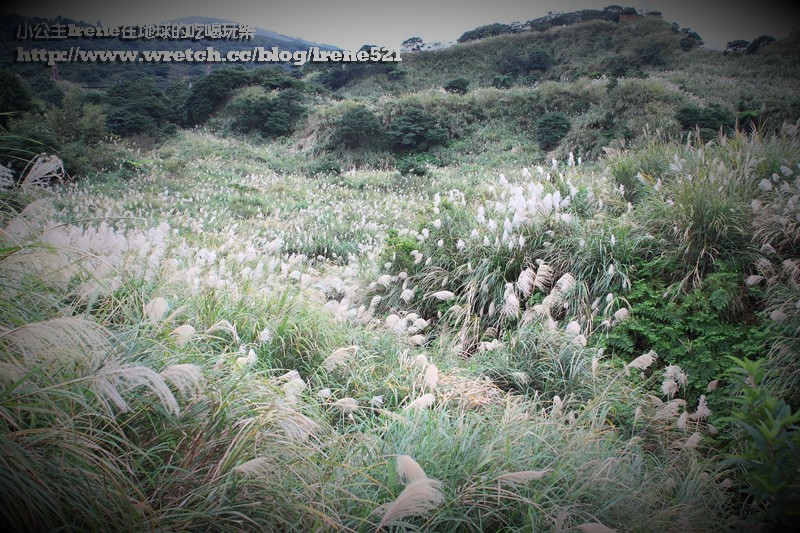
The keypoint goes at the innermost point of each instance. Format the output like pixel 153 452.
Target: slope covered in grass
pixel 211 345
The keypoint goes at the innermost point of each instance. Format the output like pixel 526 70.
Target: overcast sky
pixel 351 23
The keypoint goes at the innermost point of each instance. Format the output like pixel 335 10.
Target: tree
pixel 489 30
pixel 550 129
pixel 758 42
pixel 412 44
pixel 15 97
pixel 136 107
pixel 690 39
pixel 358 128
pixel 210 92
pixel 271 116
pixel 415 130
pixel 736 47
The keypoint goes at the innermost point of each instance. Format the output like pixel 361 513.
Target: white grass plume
pixel 421 494
pixel 595 527
pixel 6 178
pixel 296 426
pixel 669 410
pixel 339 357
pixel 544 275
pixel 187 378
pixel 431 376
pixel 423 402
pixel 155 309
pixel 41 170
pixel 565 283
pixel 258 467
pixel 59 340
pixel 183 334
pixel 418 498
pixel 644 361
pixel 408 470
pixel 525 282
pixel 224 325
pixel 510 302
pixel 523 476
pixel 443 295
pixel 114 379
pixel 346 405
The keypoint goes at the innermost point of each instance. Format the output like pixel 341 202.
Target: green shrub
pixel 209 93
pixel 326 165
pixel 415 130
pixel 457 85
pixel 358 128
pixel 137 107
pixel 272 116
pixel 550 129
pixel 766 447
pixel 15 96
pixel 416 164
pixel 709 120
pixel 693 330
pixel 517 62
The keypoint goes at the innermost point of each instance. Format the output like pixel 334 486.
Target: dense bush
pixel 324 166
pixel 710 120
pixel 358 128
pixel 210 92
pixel 457 85
pixel 694 329
pixel 269 115
pixel 137 107
pixel 414 164
pixel 15 96
pixel 415 130
pixel 517 62
pixel 489 30
pixel 550 129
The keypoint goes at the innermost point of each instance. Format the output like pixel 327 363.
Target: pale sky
pixel 351 23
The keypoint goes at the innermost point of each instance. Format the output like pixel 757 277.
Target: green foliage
pixel 502 81
pixel 759 42
pixel 325 166
pixel 15 96
pixel 736 47
pixel 694 330
pixel 709 120
pixel 75 130
pixel 457 85
pixel 767 446
pixel 414 164
pixel 210 92
pixel 690 40
pixel 138 107
pixel 415 130
pixel 519 62
pixel 482 32
pixel 550 129
pixel 358 128
pixel 271 115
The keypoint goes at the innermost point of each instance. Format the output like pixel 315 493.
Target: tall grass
pixel 206 375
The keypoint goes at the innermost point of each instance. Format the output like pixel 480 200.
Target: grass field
pixel 208 345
